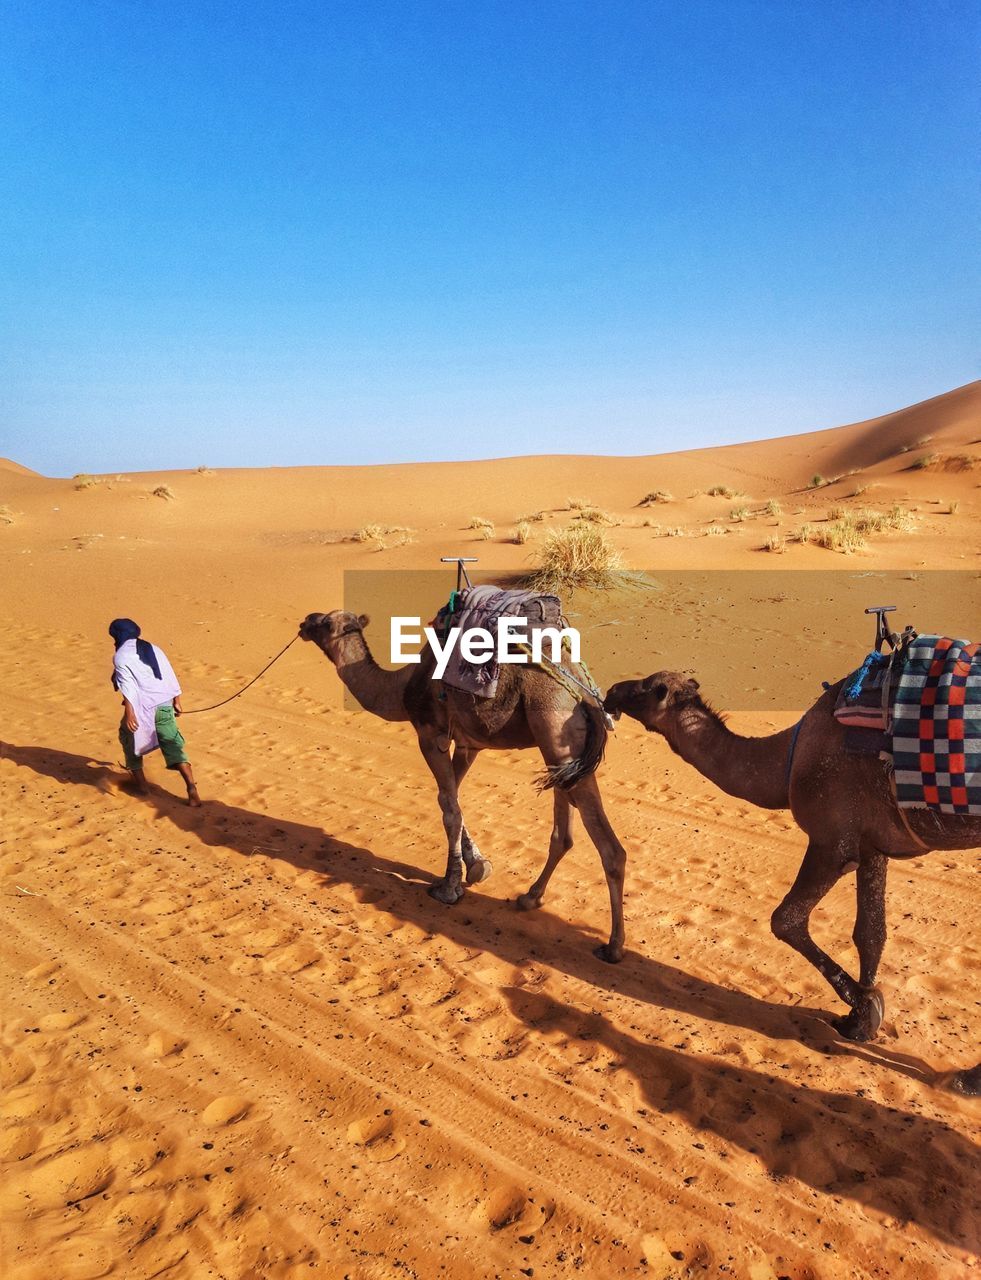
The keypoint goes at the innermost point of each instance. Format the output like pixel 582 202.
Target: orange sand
pixel 243 1042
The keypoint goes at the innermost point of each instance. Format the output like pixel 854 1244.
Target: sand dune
pixel 243 1041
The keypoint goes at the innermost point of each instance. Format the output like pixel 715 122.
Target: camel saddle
pixel 922 705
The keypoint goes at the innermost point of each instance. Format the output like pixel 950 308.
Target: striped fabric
pixel 936 729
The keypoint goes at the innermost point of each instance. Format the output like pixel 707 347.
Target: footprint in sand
pixel 228 1109
pixel 377 1136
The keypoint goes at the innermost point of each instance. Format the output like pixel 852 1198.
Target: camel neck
pixel 378 691
pixel 752 769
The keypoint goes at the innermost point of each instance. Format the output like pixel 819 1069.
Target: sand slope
pixel 243 1042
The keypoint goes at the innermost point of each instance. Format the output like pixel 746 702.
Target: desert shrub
pixel 773 508
pixel 739 514
pixel 535 517
pixel 580 555
pixel 925 461
pixel 522 532
pixel 577 504
pixel 382 536
pixel 164 491
pixel 715 530
pixel 6 515
pixel 656 495
pixel 953 508
pixel 774 543
pixel 596 516
pixel 203 471
pixel 484 529
pixel 817 481
pixel 721 491
pixel 804 533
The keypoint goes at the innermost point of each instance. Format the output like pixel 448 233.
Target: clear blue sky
pixel 299 231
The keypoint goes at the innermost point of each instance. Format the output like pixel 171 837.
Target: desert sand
pixel 242 1041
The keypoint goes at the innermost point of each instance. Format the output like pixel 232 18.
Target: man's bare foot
pixel 139 782
pixel 193 799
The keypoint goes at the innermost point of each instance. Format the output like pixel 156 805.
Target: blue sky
pixel 313 232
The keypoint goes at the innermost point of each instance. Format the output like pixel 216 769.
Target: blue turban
pixel 123 629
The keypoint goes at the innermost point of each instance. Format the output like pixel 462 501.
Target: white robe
pixel 144 692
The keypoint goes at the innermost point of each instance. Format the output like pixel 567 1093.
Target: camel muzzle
pixel 311 623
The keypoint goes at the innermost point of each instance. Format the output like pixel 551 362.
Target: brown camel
pixel 844 803
pixel 530 709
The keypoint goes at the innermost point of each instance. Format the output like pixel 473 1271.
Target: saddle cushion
pixel 936 727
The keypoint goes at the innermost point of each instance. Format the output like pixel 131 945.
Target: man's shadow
pixel 911 1167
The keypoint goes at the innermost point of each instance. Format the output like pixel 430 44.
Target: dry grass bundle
pixel 849 533
pixel 715 531
pixel 579 555
pixel 657 495
pixel 739 514
pixel 722 491
pixel 596 516
pixel 164 491
pixel 773 508
pixel 774 543
pixel 484 529
pixel 535 517
pixel 522 532
pixel 377 535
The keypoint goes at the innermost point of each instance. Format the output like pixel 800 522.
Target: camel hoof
pixel 526 902
pixel 448 894
pixel 480 870
pixel 608 954
pixel 967 1083
pixel 865 1019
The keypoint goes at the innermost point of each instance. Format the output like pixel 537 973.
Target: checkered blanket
pixel 936 727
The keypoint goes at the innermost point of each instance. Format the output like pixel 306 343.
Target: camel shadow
pixel 911 1167
pixel 479 921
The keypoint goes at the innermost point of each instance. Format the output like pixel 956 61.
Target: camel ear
pixel 693 685
pixel 363 620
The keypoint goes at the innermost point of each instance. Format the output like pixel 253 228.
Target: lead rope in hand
pixel 214 707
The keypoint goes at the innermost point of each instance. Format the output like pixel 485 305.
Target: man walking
pixel 151 703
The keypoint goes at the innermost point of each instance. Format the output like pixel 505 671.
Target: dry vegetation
pixel 382 536
pixel 484 529
pixel 596 516
pixel 164 491
pixel 6 515
pixel 580 555
pixel 722 491
pixel 85 481
pixel 522 532
pixel 657 495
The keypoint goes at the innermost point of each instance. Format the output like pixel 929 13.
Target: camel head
pixel 329 629
pixel 653 700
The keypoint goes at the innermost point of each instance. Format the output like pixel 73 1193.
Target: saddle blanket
pixel 936 727
pixel 481 607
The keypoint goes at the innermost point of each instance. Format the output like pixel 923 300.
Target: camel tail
pixel 567 775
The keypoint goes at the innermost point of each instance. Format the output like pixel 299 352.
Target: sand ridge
pixel 243 1041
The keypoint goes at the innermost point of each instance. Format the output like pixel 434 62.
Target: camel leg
pixel 451 888
pixel 819 872
pixel 478 867
pixel 558 846
pixel 586 797
pixel 870 937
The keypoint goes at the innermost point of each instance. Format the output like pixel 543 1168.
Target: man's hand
pixel 178 709
pixel 129 716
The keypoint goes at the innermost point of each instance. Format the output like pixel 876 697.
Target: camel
pixel 844 804
pixel 530 709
